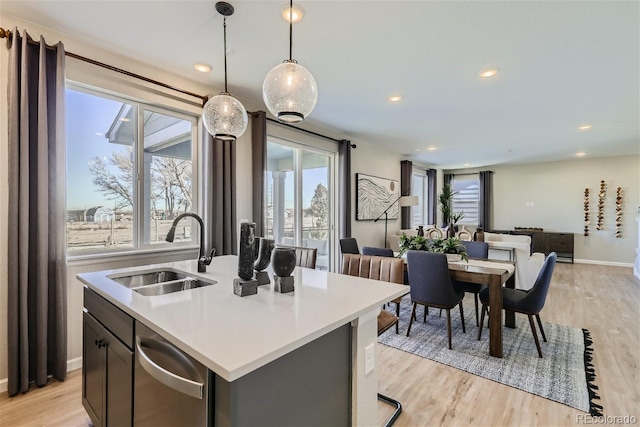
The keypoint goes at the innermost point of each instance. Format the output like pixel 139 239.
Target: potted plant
pixel 449 218
pixel 451 245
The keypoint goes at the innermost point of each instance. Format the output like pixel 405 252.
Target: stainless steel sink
pixel 170 287
pixel 159 282
pixel 148 278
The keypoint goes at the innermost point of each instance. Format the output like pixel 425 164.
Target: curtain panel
pixel 344 190
pixel 432 196
pixel 406 171
pixel 259 166
pixel 486 198
pixel 37 298
pixel 219 180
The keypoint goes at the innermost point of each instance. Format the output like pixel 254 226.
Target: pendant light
pixel 289 90
pixel 224 116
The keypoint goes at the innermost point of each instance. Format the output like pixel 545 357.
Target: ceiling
pixel 561 65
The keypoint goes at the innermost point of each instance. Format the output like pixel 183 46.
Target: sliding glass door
pixel 299 198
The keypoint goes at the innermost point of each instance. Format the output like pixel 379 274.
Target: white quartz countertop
pixel 234 335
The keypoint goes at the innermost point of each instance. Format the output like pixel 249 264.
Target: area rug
pixel 565 374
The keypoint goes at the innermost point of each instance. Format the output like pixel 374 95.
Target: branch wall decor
pixel 619 212
pixel 601 196
pixel 586 211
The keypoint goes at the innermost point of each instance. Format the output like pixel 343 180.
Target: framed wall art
pixel 374 195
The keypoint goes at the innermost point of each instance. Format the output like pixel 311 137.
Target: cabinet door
pixel 94 369
pixel 540 242
pixel 119 408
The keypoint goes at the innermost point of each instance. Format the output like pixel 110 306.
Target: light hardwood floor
pixel 605 300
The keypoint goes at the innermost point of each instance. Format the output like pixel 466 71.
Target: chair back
pixel 476 249
pixel 374 267
pixel 369 250
pixel 305 257
pixel 537 295
pixel 349 245
pixel 429 279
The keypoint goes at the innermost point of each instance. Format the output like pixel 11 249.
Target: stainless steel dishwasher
pixel 170 387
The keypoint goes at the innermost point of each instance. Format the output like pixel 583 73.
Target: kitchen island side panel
pixel 309 386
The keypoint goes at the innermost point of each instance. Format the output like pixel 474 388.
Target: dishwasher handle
pixel 176 382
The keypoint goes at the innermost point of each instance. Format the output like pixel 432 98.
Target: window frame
pixel 423 199
pixel 138 238
pixel 467 177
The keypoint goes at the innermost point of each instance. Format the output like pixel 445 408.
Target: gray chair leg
pixel 535 335
pixel 449 326
pixel 476 302
pixel 398 316
pixel 464 330
pixel 392 402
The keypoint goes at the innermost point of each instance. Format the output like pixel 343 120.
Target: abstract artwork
pixel 374 195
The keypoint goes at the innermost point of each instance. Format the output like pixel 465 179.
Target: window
pixel 129 172
pixel 419 187
pixel 466 198
pixel 298 196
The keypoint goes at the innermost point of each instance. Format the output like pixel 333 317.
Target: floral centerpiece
pixel 451 245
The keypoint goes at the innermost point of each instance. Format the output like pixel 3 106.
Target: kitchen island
pixel 272 356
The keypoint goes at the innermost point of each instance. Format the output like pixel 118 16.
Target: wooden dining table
pixel 493 273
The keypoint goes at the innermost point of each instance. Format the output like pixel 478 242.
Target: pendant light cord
pixel 290 30
pixel 225 54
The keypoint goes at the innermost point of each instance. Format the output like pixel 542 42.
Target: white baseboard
pixel 72 365
pixel 596 262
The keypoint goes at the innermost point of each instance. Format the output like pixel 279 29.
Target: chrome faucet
pixel 203 260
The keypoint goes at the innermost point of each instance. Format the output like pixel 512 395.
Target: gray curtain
pixel 259 160
pixel 37 299
pixel 486 197
pixel 432 195
pixel 219 180
pixel 406 170
pixel 344 172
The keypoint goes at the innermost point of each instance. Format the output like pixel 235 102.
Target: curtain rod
pixel 310 132
pixel 9 36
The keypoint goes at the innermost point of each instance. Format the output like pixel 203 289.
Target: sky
pixel 88 119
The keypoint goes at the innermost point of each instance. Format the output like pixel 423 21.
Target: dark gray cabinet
pixel 107 363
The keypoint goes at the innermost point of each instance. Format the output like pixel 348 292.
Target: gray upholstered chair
pixel 370 250
pixel 388 269
pixel 431 285
pixel 528 302
pixel 474 250
pixel 349 245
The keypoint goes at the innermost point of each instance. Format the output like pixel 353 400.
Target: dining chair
pixel 386 252
pixel 430 285
pixel 370 250
pixel 349 245
pixel 474 250
pixel 529 302
pixel 388 269
pixel 305 257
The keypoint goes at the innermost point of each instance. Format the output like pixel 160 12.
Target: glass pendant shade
pixel 225 117
pixel 290 92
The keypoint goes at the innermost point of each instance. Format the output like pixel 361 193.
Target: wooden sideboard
pixel 547 242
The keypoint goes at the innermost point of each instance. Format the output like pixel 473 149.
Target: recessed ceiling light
pixel 395 98
pixel 431 148
pixel 584 127
pixel 98 133
pixel 124 119
pixel 202 67
pixel 488 73
pixel 467 164
pixel 581 154
pixel 296 13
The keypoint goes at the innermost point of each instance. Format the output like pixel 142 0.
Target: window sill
pixel 88 259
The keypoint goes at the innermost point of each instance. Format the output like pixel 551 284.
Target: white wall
pixel 557 192
pixel 371 160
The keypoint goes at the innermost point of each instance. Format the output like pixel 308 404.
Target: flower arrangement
pixel 451 245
